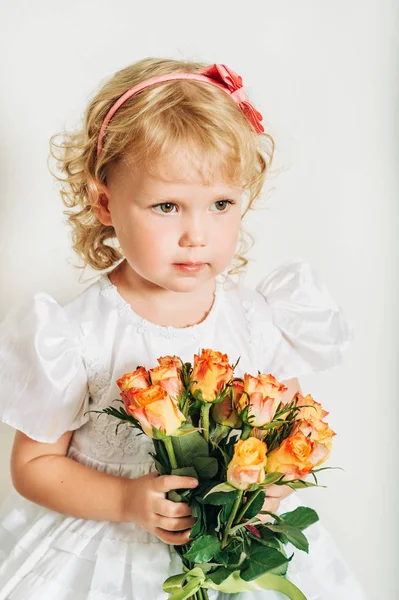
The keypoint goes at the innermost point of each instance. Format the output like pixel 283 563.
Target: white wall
pixel 323 74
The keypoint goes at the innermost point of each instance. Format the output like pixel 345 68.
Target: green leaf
pixel 206 466
pixel 299 484
pixel 185 472
pixel 268 538
pixel 301 517
pixel 325 469
pixel 256 506
pixel 184 429
pixel 219 575
pixel 262 560
pixel 188 447
pixel 273 424
pixel 236 528
pixel 222 557
pixel 271 478
pixel 200 524
pixel 161 453
pixel 174 496
pixel 293 534
pixel 203 549
pixel 159 466
pixel 222 487
pixel 221 498
pixel 219 521
pixel 235 549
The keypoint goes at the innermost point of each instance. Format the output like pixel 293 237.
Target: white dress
pixel 57 362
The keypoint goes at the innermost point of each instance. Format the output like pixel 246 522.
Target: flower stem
pixel 205 408
pixel 171 453
pixel 245 507
pixel 233 513
pixel 245 432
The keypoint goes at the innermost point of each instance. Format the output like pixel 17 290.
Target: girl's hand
pixel 274 495
pixel 145 504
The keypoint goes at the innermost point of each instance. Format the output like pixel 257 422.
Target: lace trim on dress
pixel 104 441
pixel 110 291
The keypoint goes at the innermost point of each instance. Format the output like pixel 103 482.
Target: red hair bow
pixel 233 82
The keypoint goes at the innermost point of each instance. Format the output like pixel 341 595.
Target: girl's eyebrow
pixel 173 199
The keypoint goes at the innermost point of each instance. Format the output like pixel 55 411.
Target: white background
pixel 324 75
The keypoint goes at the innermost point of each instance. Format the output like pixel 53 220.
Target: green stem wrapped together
pixel 171 453
pixel 205 408
pixel 233 513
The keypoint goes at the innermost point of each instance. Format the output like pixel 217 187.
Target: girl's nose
pixel 194 233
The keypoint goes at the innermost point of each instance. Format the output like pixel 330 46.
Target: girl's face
pixel 175 232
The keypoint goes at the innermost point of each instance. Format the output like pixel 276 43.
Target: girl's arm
pixel 44 474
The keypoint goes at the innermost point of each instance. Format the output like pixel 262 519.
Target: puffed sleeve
pixel 43 383
pixel 310 332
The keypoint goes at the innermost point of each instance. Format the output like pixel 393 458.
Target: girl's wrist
pixel 127 495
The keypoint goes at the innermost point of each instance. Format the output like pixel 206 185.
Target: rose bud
pixel 153 407
pixel 167 376
pixel 211 372
pixel 224 413
pixel 248 464
pixel 317 431
pixel 138 379
pixel 262 394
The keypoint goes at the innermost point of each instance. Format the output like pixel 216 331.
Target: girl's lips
pixel 190 267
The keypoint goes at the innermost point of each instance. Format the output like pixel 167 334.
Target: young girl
pixel 170 157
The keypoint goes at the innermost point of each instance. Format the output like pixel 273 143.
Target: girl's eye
pixel 221 205
pixel 164 207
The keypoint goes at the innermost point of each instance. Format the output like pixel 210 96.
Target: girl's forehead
pixel 179 169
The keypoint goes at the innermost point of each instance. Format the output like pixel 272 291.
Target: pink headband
pixel 219 75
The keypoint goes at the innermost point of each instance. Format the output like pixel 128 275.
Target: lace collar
pixel 142 325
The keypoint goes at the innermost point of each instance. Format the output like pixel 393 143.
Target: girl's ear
pixel 101 208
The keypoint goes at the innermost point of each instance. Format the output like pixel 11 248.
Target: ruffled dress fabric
pixel 58 362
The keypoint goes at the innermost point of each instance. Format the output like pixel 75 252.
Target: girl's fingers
pixel 167 508
pixel 271 504
pixel 174 539
pixel 277 491
pixel 166 483
pixel 174 524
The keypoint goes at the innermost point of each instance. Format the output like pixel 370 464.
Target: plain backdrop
pixel 324 75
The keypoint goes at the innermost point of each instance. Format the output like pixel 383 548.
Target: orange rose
pixel 248 464
pixel 263 395
pixel 211 372
pixel 310 413
pixel 296 456
pixel 174 361
pixel 167 376
pixel 224 412
pixel 170 360
pixel 313 427
pixel 139 379
pixel 153 407
pixel 317 431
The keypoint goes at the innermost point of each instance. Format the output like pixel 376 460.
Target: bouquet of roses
pixel 237 437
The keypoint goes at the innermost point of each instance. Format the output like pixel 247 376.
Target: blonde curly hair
pixel 216 133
